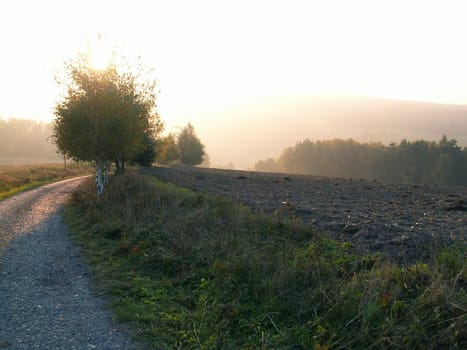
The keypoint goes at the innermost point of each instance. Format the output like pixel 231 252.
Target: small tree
pixel 167 150
pixel 148 155
pixel 105 115
pixel 190 147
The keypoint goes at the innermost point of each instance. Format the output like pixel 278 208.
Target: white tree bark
pixel 100 182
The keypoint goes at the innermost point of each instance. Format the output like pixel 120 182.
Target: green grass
pixel 15 179
pixel 192 271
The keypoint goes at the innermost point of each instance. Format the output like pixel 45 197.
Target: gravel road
pixel 47 300
pixel 404 222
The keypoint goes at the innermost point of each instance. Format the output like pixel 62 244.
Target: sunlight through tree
pixel 106 114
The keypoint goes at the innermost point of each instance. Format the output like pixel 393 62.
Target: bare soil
pixel 404 222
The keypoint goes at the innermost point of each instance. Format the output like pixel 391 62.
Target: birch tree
pixel 105 115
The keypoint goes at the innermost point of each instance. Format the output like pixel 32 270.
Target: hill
pixel 262 129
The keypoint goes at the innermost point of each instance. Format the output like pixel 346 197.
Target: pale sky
pixel 211 55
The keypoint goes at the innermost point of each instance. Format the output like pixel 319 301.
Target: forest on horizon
pixel 422 162
pixel 418 162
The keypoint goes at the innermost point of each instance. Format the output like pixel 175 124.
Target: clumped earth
pixel 404 222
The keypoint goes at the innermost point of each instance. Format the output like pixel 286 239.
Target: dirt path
pixel 404 222
pixel 46 297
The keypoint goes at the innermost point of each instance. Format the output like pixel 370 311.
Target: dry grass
pixel 17 178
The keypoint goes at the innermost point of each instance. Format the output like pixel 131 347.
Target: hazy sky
pixel 209 55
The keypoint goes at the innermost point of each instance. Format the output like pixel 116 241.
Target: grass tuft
pixel 193 271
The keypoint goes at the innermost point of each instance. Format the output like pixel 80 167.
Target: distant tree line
pixel 442 162
pixel 29 140
pixel 26 139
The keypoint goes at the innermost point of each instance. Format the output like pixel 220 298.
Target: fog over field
pixel 263 128
pixel 25 141
pixel 242 134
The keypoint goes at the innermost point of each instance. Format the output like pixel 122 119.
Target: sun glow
pixel 100 55
pixel 205 62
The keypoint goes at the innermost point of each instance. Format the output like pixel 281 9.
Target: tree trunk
pixel 106 173
pixel 119 165
pixel 100 182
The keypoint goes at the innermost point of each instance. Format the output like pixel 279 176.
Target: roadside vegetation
pixel 193 271
pixel 17 178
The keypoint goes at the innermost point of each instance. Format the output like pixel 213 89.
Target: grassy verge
pixel 192 271
pixel 15 179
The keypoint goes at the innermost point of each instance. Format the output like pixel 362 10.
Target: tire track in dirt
pixel 20 213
